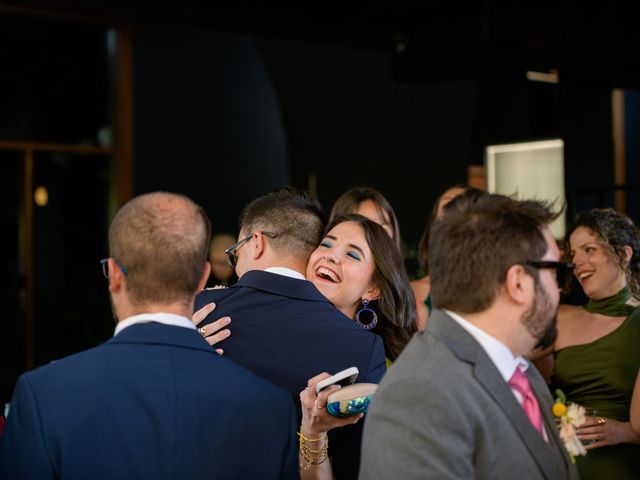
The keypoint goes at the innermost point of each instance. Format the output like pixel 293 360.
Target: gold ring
pixel 202 332
pixel 315 402
pixel 601 421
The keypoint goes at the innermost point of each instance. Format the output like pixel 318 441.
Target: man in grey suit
pixel 462 402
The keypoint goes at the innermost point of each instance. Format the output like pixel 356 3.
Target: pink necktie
pixel 520 383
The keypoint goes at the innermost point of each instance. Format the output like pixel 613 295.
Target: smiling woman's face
pixel 598 273
pixel 342 268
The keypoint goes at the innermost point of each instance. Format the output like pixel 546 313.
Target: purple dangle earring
pixel 374 315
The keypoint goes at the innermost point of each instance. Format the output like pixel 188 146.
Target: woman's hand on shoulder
pixel 315 419
pixel 213 332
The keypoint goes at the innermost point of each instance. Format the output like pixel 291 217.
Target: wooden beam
pixel 53 147
pixel 619 161
pixel 477 177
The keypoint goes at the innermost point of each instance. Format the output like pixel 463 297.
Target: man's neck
pixel 174 308
pixel 290 263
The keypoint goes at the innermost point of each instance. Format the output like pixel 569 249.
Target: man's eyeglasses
pixel 105 266
pixel 232 256
pixel 563 269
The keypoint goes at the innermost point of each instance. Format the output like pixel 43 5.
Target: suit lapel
pixel 488 376
pixel 491 380
pixel 544 398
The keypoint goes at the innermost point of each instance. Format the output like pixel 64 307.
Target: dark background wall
pixel 229 105
pixel 225 117
pixel 350 123
pixel 207 122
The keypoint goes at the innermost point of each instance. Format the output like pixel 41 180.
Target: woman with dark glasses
pixel 597 351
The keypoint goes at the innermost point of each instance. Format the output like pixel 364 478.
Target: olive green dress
pixel 601 375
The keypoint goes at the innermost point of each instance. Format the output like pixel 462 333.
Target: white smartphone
pixel 343 378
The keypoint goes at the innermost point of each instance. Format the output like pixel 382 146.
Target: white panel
pixel 530 170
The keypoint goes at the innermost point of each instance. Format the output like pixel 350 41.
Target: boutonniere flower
pixel 570 415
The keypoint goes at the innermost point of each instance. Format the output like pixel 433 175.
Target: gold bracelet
pixel 302 437
pixel 310 456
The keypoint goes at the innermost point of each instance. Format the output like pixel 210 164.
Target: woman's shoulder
pixel 570 313
pixel 421 287
pixel 571 321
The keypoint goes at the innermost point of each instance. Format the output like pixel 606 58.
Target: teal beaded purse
pixel 351 400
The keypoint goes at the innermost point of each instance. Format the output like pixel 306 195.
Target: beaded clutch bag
pixel 351 400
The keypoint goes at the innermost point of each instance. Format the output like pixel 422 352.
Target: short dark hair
pixel 350 200
pixel 474 244
pixel 162 239
pixel 615 231
pixel 295 218
pixel 396 306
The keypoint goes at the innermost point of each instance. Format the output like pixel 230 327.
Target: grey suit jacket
pixel 443 411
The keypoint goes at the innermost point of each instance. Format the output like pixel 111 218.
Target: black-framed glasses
pixel 105 269
pixel 563 269
pixel 231 252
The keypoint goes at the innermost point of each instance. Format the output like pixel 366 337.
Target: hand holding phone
pixel 343 378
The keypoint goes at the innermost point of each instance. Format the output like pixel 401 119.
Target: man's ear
pixel 259 245
pixel 517 284
pixel 116 276
pixel 206 271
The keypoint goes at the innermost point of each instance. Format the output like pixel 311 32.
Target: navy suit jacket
pixel 286 331
pixel 153 402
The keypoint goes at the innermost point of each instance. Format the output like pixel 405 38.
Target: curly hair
pixel 614 231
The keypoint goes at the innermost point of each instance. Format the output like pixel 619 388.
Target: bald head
pixel 162 240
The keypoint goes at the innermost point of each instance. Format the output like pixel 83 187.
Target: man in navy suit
pixel 155 401
pixel 283 328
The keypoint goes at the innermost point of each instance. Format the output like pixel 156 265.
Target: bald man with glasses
pixel 154 401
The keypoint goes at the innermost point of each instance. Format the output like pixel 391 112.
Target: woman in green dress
pixel 597 350
pixel 635 407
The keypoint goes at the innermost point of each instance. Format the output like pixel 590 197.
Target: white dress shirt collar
pixel 284 271
pixel 499 354
pixel 497 351
pixel 160 317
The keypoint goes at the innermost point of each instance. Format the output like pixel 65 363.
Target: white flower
pixel 568 434
pixel 570 416
pixel 575 415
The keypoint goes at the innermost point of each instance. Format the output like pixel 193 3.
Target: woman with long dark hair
pixel 358 270
pixel 357 267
